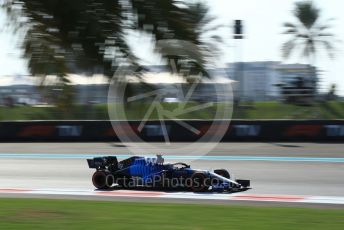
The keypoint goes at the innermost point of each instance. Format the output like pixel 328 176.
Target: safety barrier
pixel 238 130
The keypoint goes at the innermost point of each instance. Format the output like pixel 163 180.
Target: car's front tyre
pixel 199 182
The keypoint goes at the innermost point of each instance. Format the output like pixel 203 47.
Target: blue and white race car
pixel 138 172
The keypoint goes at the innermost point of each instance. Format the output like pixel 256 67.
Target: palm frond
pixel 212 27
pixel 305 36
pixel 217 38
pixel 323 27
pixel 305 53
pixel 329 48
pixel 290 25
pixel 325 35
pixel 288 48
pixel 290 31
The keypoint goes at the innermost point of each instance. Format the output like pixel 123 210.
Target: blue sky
pixel 263 21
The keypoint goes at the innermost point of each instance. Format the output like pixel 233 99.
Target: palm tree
pixel 308 34
pixel 87 36
pixel 74 36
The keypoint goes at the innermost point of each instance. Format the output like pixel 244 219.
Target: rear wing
pixel 91 163
pixel 102 162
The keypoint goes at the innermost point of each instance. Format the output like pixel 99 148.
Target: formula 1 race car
pixel 136 172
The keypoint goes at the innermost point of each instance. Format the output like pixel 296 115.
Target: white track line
pixel 179 195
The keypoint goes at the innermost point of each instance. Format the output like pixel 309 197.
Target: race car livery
pixel 135 172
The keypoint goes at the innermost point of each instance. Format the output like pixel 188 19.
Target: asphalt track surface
pixel 23 166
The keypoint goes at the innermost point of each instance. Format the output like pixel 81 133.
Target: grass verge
pixel 70 214
pixel 258 110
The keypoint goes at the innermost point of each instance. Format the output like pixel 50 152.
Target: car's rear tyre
pixel 198 182
pixel 222 172
pixel 102 180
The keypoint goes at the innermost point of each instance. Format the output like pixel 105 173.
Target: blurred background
pixel 187 67
pixel 282 60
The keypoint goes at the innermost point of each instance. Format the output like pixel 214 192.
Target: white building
pixel 259 81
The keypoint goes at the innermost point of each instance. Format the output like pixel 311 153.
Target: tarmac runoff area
pixel 292 173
